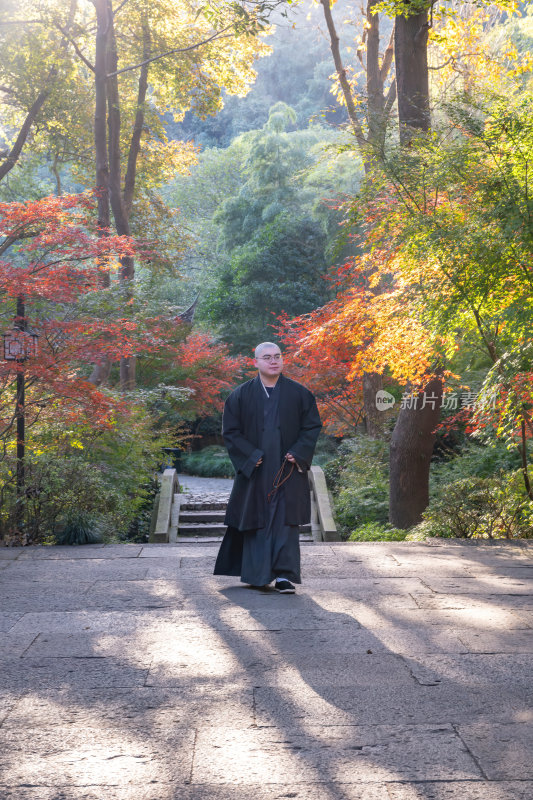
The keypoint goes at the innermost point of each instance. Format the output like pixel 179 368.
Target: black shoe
pixel 284 586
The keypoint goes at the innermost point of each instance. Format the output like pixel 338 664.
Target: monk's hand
pixel 259 462
pixel 292 460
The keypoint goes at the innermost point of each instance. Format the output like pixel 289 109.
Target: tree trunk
pixel 412 82
pixel 372 383
pixel 410 455
pixel 376 73
pixel 100 132
pixel 120 215
pixel 413 438
pixel 101 370
pixel 351 107
pixel 113 124
pixel 138 127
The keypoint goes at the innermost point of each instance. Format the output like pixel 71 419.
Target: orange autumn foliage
pixel 51 257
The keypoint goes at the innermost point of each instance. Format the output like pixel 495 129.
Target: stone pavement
pixel 206 489
pixel 398 672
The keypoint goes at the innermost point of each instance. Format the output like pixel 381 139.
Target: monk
pixel 270 427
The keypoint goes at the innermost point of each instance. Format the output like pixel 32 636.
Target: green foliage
pixel 327 449
pixel 44 55
pixel 476 493
pixel 482 508
pixel 296 72
pixel 467 219
pixel 377 532
pixel 58 488
pixel 79 528
pixel 472 459
pixel 78 480
pixel 358 479
pixel 408 8
pixel 262 232
pixel 402 8
pixel 279 269
pixel 139 527
pixel 472 493
pixel 211 462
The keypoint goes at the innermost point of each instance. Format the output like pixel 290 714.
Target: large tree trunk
pixel 412 82
pixel 410 455
pixel 120 215
pixel 122 201
pixel 101 370
pixel 413 438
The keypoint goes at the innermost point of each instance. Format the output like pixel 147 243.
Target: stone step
pixel 204 520
pixel 199 505
pixel 198 515
pixel 304 539
pixel 198 540
pixel 214 529
pixel 201 529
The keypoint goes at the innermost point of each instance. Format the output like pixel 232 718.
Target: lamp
pixel 19 344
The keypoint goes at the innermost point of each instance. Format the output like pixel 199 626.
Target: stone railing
pixel 323 525
pixel 162 514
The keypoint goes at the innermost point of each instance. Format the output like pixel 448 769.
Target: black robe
pixel 257 427
pixel 242 428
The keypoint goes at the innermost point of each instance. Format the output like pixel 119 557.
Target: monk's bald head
pixel 264 347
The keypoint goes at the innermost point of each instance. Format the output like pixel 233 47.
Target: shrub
pixel 327 449
pixel 67 493
pixel 473 459
pixel 488 504
pixel 358 479
pixel 79 528
pixel 487 508
pixel 211 462
pixel 377 532
pixel 79 480
pixel 139 528
pixel 428 529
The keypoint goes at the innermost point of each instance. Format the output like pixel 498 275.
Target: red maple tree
pixel 52 258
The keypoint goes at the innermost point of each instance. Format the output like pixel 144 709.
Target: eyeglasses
pixel 277 357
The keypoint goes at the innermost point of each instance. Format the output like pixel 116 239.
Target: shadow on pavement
pixel 147 677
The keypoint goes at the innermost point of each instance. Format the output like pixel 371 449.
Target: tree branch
pixel 120 7
pixel 21 22
pixel 389 100
pixel 441 66
pixel 138 127
pixel 341 72
pixel 16 150
pixel 387 58
pixel 71 41
pixel 219 35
